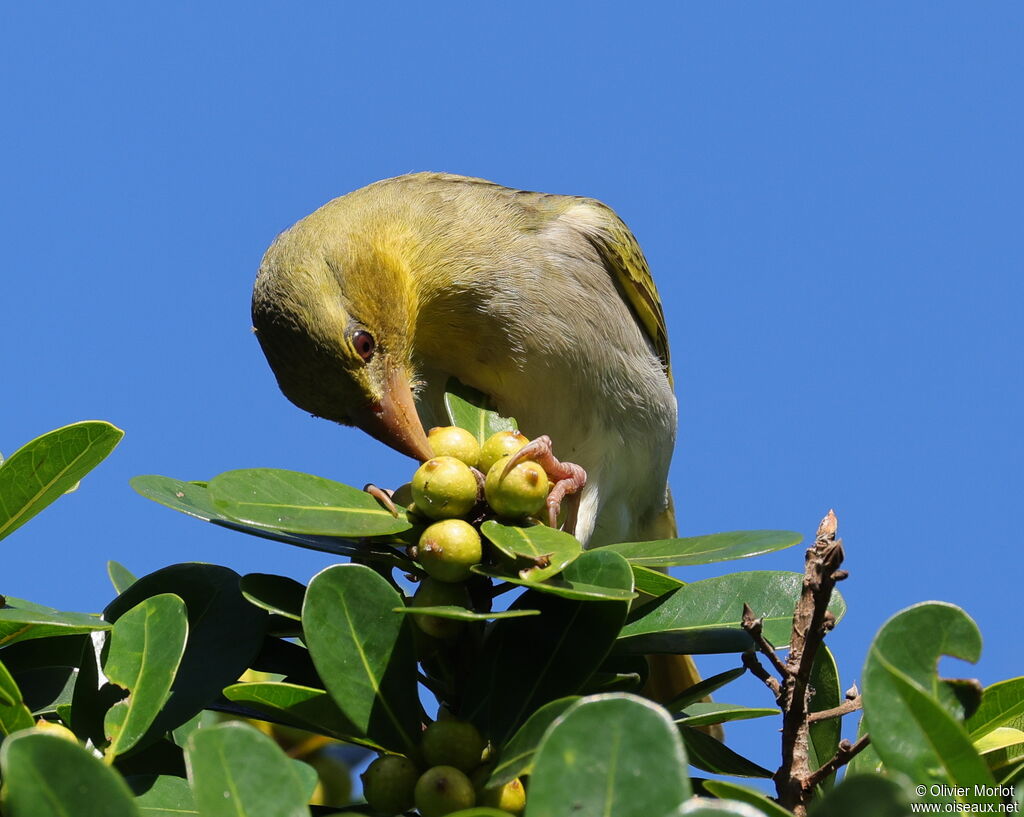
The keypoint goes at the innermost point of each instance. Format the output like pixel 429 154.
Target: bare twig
pixel 811 621
pixel 754 668
pixel 844 708
pixel 844 754
pixel 753 626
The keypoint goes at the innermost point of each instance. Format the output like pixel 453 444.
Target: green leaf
pixel 704 616
pixel 14 715
pixel 462 614
pixel 473 410
pixel 600 580
pixel 46 467
pixel 516 756
pixel 225 633
pixel 702 807
pixel 275 594
pixel 636 769
pixel 237 772
pixel 703 688
pixel 479 811
pixel 702 714
pixel 527 662
pixel 863 795
pixel 1001 705
pixel 1002 737
pixel 654 582
pixel 146 646
pixel 300 706
pixel 120 576
pixel 911 714
pixel 824 735
pixel 714 756
pixel 364 653
pixel 163 796
pixel 733 791
pixel 21 620
pixel 703 550
pixel 301 503
pixel 547 551
pixel 48 776
pixel 193 499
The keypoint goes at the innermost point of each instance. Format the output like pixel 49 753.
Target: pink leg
pixel 568 477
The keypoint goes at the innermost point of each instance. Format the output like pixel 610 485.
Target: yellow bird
pixel 365 308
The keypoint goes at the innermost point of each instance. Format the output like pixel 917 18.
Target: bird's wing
pixel 624 259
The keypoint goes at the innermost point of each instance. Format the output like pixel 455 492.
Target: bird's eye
pixel 364 343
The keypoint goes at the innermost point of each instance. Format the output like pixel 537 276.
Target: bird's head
pixel 334 314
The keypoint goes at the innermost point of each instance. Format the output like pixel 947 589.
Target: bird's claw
pixel 568 478
pixel 383 496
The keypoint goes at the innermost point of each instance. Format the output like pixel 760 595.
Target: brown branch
pixel 811 621
pixel 754 668
pixel 844 708
pixel 844 754
pixel 754 626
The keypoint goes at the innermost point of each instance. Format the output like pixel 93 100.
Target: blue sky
pixel 829 197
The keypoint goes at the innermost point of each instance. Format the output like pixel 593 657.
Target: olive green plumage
pixel 543 302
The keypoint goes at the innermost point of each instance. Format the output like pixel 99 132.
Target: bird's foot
pixel 383 496
pixel 568 478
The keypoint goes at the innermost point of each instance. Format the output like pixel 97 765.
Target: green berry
pixel 432 593
pixel 452 441
pixel 452 743
pixel 388 783
pixel 521 493
pixel 443 790
pixel 499 445
pixel 448 549
pixel 444 488
pixel 511 797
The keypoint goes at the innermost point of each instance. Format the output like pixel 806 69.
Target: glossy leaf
pixel 516 757
pixel 705 713
pixel 711 755
pixel 193 499
pixel 826 734
pixel 275 594
pixel 636 769
pixel 1000 738
pixel 704 616
pixel 225 633
pixel 300 706
pixel 703 550
pixel 703 688
pixel 301 503
pixel 600 579
pixel 236 771
pixel 527 662
pixel 163 796
pixel 1001 705
pixel 763 805
pixel 120 576
pixel 14 715
pixel 462 614
pixel 545 551
pixel 48 466
pixel 702 807
pixel 49 776
pixel 21 620
pixel 654 582
pixel 863 795
pixel 146 647
pixel 364 653
pixel 474 411
pixel 911 715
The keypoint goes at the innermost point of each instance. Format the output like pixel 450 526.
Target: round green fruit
pixel 448 549
pixel 452 743
pixel 443 790
pixel 452 441
pixel 433 593
pixel 511 797
pixel 499 445
pixel 521 493
pixel 389 782
pixel 444 488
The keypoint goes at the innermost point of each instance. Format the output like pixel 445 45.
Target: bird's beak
pixel 393 419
